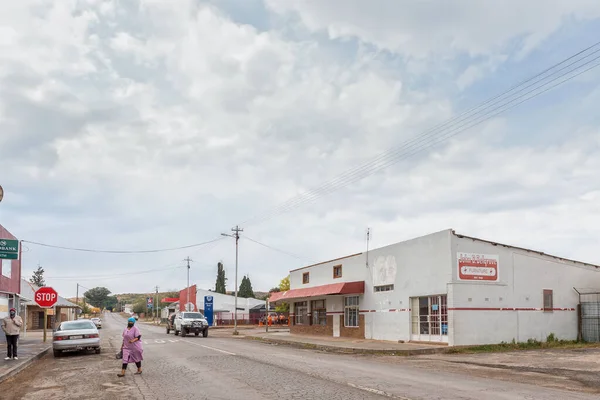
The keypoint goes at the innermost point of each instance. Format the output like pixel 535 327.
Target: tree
pixel 220 285
pixel 111 303
pixel 38 277
pixel 140 306
pixel 97 296
pixel 246 288
pixel 284 286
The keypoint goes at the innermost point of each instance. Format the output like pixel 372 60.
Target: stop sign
pixel 46 297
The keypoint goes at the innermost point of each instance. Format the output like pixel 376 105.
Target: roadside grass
pixel 532 344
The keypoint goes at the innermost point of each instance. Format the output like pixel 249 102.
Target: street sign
pixel 208 309
pixel 46 297
pixel 149 302
pixel 9 249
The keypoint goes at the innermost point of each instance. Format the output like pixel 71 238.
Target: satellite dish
pixel 1 193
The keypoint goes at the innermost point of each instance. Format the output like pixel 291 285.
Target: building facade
pixel 10 276
pixel 443 288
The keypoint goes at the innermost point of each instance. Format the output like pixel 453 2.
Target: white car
pixel 76 336
pixel 97 322
pixel 191 322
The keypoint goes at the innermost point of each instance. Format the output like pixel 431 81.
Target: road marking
pixel 376 391
pixel 208 347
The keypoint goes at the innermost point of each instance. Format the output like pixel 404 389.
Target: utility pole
pixel 188 283
pixel 77 303
pixel 236 235
pixel 156 303
pixel 368 238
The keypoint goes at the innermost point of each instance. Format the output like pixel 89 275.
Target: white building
pixel 442 287
pixel 224 303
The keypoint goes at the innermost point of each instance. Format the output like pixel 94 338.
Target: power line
pixel 468 119
pixel 122 251
pixel 275 249
pixel 112 276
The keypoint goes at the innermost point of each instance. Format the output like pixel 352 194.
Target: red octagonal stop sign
pixel 46 297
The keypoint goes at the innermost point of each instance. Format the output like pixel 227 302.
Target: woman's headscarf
pixel 132 320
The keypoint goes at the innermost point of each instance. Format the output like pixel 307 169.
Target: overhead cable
pixel 542 82
pixel 123 251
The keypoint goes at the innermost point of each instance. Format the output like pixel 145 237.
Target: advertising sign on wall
pixel 477 267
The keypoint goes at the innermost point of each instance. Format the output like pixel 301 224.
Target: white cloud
pixel 424 29
pixel 155 126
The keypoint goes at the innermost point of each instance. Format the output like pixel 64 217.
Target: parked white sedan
pixel 97 322
pixel 76 336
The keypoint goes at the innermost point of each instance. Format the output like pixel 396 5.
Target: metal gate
pixel 588 315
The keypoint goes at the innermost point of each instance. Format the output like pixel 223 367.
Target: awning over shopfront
pixel 324 290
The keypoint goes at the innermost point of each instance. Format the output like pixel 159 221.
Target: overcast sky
pixel 132 125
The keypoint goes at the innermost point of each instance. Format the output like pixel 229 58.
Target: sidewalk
pixel 343 345
pixel 30 349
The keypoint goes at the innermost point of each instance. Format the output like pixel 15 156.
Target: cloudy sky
pixel 134 125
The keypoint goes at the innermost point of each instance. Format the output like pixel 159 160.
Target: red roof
pixel 324 290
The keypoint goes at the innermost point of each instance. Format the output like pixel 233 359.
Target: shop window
pixel 319 313
pixel 305 277
pixel 429 316
pixel 300 313
pixel 383 288
pixel 337 271
pixel 351 312
pixel 548 300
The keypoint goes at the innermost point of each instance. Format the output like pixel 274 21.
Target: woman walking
pixel 132 347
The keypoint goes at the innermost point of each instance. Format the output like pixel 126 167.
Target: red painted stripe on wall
pixel 505 309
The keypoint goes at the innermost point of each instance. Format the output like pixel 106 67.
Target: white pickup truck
pixel 191 322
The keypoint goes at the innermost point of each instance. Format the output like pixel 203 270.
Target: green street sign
pixel 9 256
pixel 9 249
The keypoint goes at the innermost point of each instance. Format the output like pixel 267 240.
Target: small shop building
pixel 33 315
pixel 442 288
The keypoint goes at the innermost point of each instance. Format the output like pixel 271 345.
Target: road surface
pixel 226 368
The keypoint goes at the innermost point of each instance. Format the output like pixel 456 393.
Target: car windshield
pixel 73 326
pixel 193 315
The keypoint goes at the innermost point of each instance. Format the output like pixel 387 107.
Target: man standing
pixel 12 327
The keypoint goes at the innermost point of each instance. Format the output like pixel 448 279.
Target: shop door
pixel 429 317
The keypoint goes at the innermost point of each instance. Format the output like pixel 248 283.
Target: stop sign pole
pixel 46 298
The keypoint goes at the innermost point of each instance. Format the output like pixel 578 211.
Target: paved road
pixel 225 368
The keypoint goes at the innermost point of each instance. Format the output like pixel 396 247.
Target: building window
pixel 305 277
pixel 351 311
pixel 337 271
pixel 319 313
pixel 300 313
pixel 548 300
pixel 429 317
pixel 383 288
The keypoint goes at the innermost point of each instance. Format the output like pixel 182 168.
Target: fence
pixel 588 315
pixel 228 318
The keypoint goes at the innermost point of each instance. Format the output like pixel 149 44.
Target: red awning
pixel 170 299
pixel 324 290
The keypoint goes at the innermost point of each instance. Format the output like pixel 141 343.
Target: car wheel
pixel 57 353
pixel 183 332
pixel 205 333
pixel 98 351
pixel 196 333
pixel 176 332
